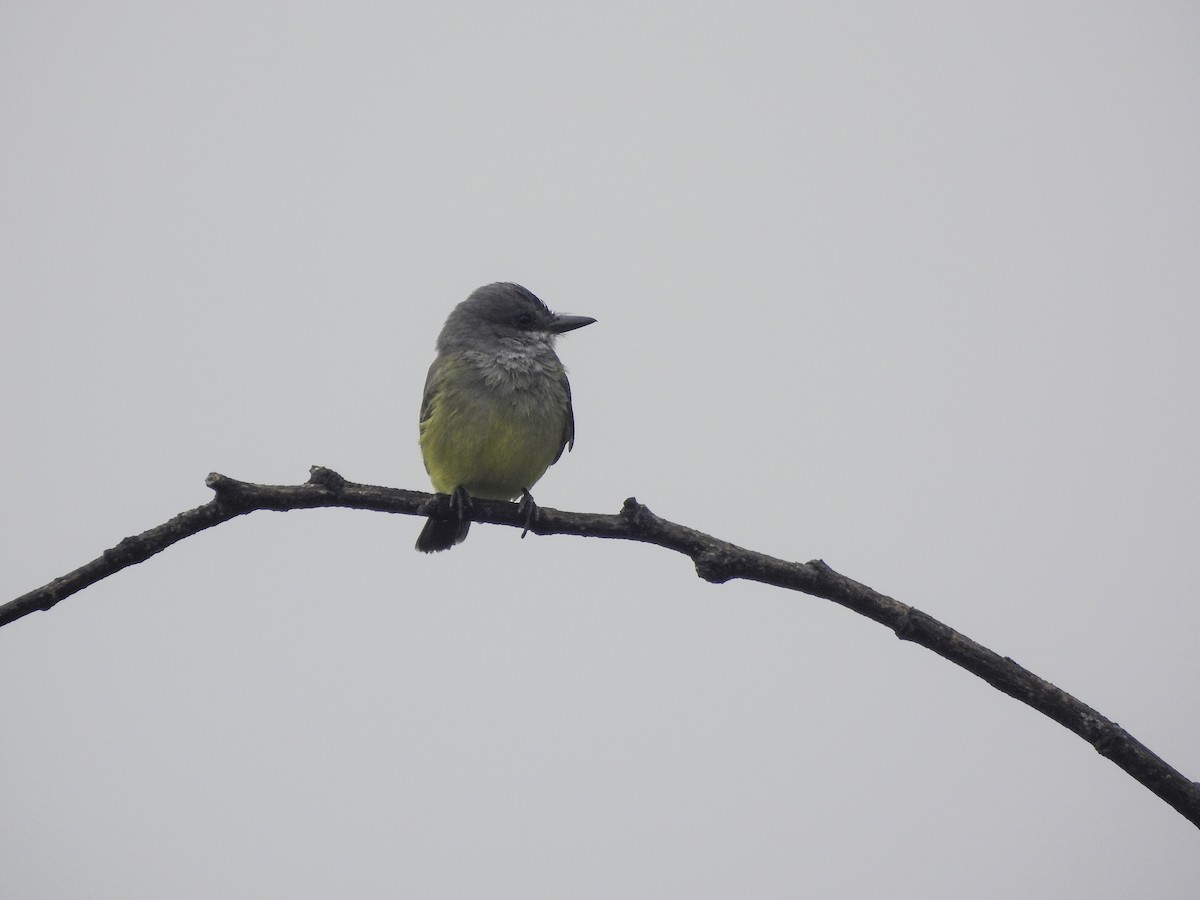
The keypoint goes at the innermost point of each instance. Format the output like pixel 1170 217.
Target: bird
pixel 496 411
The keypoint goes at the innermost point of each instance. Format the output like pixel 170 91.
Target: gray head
pixel 503 313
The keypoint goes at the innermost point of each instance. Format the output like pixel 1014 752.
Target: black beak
pixel 561 324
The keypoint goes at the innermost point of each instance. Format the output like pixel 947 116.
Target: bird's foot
pixel 449 521
pixel 459 504
pixel 528 509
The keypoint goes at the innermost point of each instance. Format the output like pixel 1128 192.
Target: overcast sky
pixel 912 288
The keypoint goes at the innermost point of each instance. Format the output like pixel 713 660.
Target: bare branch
pixel 715 560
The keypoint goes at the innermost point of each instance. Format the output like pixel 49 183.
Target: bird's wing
pixel 568 434
pixel 427 396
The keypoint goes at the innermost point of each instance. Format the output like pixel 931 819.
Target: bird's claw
pixel 460 503
pixel 528 509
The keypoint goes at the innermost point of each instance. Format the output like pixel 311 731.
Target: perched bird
pixel 497 407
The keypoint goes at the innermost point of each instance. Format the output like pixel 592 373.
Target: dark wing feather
pixel 568 435
pixel 427 395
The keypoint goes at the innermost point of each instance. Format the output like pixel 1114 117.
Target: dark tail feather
pixel 442 534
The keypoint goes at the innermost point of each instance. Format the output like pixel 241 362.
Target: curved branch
pixel 715 560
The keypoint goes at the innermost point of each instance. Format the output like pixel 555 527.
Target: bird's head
pixel 504 312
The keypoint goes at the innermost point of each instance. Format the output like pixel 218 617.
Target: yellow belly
pixel 492 450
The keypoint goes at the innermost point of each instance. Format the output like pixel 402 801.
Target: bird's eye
pixel 523 320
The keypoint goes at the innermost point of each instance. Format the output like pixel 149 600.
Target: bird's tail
pixel 442 534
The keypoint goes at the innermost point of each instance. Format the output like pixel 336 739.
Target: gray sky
pixel 910 288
